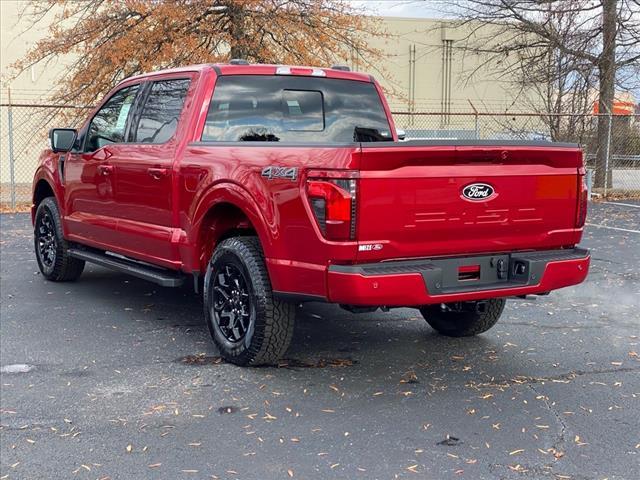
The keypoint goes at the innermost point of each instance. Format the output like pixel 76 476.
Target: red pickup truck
pixel 273 185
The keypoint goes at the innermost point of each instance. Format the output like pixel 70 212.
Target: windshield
pixel 295 109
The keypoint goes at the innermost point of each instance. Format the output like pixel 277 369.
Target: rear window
pixel 294 109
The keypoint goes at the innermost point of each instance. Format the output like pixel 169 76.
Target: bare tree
pixel 587 41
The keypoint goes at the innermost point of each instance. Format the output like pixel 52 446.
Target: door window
pixel 109 124
pixel 159 117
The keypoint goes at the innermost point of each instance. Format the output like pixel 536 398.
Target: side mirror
pixel 401 134
pixel 62 139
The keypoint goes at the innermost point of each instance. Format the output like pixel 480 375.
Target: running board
pixel 165 278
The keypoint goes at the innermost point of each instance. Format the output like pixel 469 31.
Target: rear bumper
pixel 422 282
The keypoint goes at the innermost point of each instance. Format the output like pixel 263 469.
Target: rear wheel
pixel 52 250
pixel 248 326
pixel 463 319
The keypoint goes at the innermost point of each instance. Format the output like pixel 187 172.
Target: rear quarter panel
pixel 214 173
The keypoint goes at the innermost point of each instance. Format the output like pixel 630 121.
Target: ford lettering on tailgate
pixel 477 191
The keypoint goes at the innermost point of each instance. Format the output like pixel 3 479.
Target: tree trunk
pixel 607 77
pixel 237 32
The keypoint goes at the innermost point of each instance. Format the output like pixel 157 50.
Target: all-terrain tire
pixel 270 322
pixel 463 320
pixel 52 250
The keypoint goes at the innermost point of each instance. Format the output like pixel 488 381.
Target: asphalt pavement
pixel 113 378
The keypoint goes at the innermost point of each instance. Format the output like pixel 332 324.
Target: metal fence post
pixel 11 159
pixel 476 126
pixel 475 116
pixel 607 153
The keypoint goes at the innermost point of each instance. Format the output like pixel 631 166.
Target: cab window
pixel 109 124
pixel 159 116
pixel 260 108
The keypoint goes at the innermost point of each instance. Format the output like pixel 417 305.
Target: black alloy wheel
pixel 51 248
pixel 248 325
pixel 232 306
pixel 47 245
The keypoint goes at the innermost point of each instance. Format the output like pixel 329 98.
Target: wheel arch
pixel 41 190
pixel 226 210
pixel 43 187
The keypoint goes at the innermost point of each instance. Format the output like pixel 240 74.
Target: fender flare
pixel 43 174
pixel 234 194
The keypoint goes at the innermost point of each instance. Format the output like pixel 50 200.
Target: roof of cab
pixel 258 69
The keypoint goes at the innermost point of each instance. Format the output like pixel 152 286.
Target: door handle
pixel 105 169
pixel 157 172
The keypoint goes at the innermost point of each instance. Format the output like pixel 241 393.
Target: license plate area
pixel 468 273
pixel 471 272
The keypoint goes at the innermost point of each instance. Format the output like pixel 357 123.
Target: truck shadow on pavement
pixel 325 336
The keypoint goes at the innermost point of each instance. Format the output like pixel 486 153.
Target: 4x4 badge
pixel 271 172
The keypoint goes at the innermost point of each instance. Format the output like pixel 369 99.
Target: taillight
pixel 333 202
pixel 583 199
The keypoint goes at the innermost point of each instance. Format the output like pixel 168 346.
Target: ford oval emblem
pixel 478 191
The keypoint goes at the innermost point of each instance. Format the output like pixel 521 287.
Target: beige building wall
pixel 423 87
pixel 394 70
pixel 16 38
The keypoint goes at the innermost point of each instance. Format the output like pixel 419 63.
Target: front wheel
pixel 52 250
pixel 463 319
pixel 248 326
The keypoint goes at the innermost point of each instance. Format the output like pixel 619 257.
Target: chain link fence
pixel 24 129
pixel 24 133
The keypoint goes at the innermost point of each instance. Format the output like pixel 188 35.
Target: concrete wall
pixel 487 90
pixel 16 38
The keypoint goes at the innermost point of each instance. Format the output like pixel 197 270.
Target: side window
pixel 159 117
pixel 109 124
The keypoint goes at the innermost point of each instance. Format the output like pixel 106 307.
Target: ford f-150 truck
pixel 268 186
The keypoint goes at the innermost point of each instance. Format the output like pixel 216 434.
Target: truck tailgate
pixel 412 199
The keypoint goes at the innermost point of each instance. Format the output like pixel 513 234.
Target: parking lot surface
pixel 115 378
